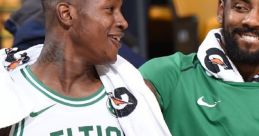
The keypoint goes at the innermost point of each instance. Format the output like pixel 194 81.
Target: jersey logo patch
pixel 122 102
pixel 202 102
pixel 34 114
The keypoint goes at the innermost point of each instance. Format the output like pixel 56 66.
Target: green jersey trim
pixel 74 102
pixel 19 128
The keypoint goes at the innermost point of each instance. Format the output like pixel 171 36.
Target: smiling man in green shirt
pixel 215 91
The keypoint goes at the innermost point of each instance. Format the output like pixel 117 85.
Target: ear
pixel 65 13
pixel 220 11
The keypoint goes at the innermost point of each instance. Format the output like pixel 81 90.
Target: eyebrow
pixel 247 1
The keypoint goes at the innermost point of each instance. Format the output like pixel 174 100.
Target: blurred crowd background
pixel 6 8
pixel 156 27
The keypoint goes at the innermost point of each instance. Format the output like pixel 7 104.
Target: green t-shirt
pixel 195 104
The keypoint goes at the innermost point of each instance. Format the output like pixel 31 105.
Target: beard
pixel 234 52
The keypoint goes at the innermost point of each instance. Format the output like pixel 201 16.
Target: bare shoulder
pixel 152 88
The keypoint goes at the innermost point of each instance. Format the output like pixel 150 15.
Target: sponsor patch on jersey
pixel 121 103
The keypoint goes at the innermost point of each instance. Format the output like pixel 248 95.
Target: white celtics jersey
pixel 56 115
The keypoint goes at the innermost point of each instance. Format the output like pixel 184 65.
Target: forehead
pixel 99 1
pixel 95 4
pixel 246 1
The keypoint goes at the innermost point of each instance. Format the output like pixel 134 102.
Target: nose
pixel 121 22
pixel 252 19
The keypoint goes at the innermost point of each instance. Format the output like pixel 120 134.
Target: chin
pixel 111 60
pixel 114 57
pixel 114 60
pixel 238 50
pixel 242 55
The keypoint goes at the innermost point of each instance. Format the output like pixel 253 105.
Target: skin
pixel 79 35
pixel 240 22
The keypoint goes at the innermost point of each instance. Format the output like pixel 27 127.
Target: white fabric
pixel 212 42
pixel 14 106
pixel 146 119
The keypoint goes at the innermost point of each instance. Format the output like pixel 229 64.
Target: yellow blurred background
pixel 204 10
pixel 6 8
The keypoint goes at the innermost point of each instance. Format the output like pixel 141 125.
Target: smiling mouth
pixel 249 37
pixel 116 39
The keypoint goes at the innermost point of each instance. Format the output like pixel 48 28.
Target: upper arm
pixel 161 76
pixel 152 88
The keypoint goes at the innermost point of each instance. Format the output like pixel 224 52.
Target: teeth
pixel 249 38
pixel 116 38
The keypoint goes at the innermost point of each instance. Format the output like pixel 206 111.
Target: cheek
pixel 100 30
pixel 106 23
pixel 233 19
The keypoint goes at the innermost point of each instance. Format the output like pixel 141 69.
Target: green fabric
pixel 180 81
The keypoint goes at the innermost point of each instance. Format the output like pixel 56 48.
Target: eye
pixel 241 7
pixel 110 9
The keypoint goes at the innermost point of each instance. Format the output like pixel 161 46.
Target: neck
pixel 62 70
pixel 247 71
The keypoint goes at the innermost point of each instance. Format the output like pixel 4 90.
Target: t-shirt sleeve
pixel 163 73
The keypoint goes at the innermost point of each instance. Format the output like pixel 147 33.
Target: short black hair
pixel 48 7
